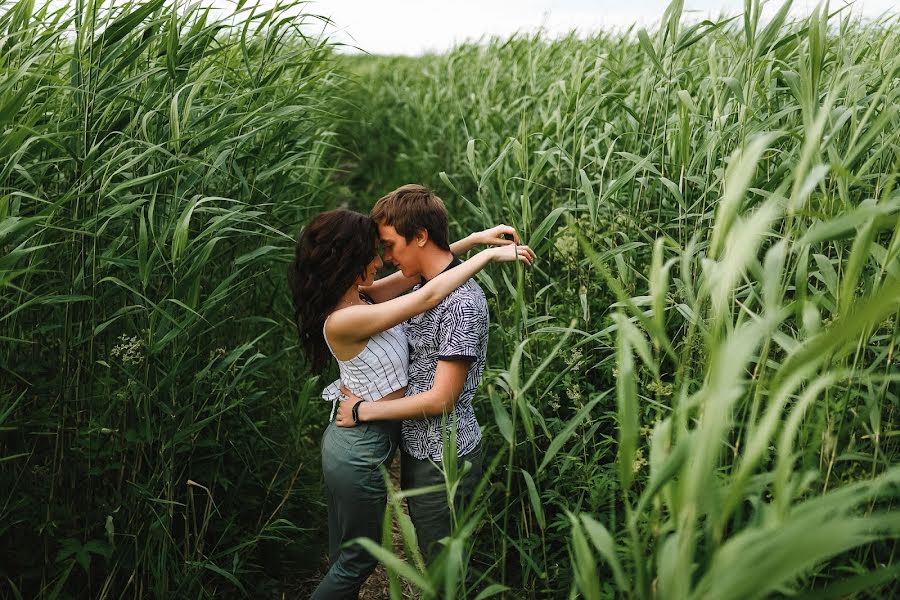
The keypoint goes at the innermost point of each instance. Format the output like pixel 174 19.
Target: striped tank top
pixel 380 368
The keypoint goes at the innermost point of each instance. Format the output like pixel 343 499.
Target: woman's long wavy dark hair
pixel 333 250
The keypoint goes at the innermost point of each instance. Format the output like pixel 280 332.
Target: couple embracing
pixel 409 363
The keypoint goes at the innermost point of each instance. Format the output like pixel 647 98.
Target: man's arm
pixel 449 381
pixel 389 287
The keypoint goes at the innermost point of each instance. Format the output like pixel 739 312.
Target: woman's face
pixel 371 269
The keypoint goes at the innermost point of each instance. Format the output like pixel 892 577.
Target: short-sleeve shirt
pixel 455 329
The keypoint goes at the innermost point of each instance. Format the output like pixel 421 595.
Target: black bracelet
pixel 355 411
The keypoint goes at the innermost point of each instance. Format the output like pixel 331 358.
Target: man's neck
pixel 434 261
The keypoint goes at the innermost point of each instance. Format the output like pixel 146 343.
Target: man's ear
pixel 421 237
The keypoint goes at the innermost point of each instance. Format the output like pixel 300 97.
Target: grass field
pixel 693 394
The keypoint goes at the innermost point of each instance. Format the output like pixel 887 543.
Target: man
pixel 448 348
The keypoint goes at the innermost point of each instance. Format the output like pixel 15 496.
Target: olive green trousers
pixel 356 497
pixel 430 513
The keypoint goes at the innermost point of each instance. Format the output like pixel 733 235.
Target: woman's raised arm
pixel 388 288
pixel 357 323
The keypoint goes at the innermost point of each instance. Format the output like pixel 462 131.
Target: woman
pixel 336 255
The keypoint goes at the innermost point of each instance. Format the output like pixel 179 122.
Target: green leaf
pixel 539 235
pixel 492 590
pixel 588 192
pixel 395 564
pixel 647 46
pixel 501 417
pixel 734 86
pixel 535 499
pixel 846 224
pixel 210 566
pixel 626 398
pixel 470 159
pixel 124 25
pixel 741 168
pixel 571 425
pixel 606 546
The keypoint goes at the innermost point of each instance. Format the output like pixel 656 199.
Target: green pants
pixel 351 457
pixel 430 513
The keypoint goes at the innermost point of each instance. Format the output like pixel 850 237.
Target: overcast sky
pixel 414 27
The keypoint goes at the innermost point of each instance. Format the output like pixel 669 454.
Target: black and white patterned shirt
pixel 455 329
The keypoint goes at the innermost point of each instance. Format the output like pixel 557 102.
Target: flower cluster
pixel 574 392
pixel 566 242
pixel 639 460
pixel 567 246
pixel 662 389
pixel 574 358
pixel 129 350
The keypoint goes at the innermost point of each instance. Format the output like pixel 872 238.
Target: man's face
pixel 404 255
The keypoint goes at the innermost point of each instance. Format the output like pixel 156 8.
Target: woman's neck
pixel 349 298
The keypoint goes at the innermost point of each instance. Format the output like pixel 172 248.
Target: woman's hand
pixel 511 253
pixel 344 416
pixel 494 236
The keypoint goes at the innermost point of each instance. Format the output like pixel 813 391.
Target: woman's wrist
pixel 362 412
pixel 469 242
pixel 463 245
pixel 490 255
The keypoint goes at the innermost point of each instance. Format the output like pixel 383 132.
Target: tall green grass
pixel 694 393
pixel 156 163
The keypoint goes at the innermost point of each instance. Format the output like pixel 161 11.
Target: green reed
pixel 693 393
pixel 158 161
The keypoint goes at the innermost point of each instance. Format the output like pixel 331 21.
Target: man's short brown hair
pixel 412 207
